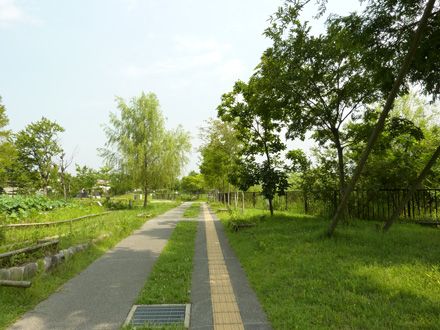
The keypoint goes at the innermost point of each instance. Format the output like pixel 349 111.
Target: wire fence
pixel 364 204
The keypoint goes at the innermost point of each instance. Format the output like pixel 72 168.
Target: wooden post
pixel 16 284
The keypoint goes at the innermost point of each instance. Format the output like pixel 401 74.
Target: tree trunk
pixel 63 183
pixel 381 122
pixel 271 206
pixel 145 196
pixel 341 167
pixel 416 184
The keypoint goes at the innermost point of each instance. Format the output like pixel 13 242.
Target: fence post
pixel 254 200
pixel 286 200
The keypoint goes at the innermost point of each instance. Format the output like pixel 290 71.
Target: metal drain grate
pixel 159 315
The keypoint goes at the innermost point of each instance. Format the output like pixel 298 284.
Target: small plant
pixel 19 207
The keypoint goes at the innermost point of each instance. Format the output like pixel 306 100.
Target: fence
pixel 364 204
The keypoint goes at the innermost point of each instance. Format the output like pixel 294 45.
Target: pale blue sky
pixel 67 60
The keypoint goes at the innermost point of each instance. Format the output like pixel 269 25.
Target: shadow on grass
pixel 361 278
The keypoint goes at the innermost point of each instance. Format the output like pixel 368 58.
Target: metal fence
pixel 364 204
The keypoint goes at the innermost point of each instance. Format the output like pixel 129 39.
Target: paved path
pixel 221 296
pixel 101 296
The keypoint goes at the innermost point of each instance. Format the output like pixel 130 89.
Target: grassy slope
pixel 361 279
pixel 14 302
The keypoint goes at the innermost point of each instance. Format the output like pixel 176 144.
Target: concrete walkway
pixel 221 297
pixel 101 296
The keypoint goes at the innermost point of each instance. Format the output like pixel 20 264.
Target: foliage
pixel 142 148
pixel 409 138
pixel 21 206
pixel 193 183
pixel 252 110
pixel 384 31
pixel 8 152
pixel 360 280
pixel 37 145
pixel 321 79
pixel 85 178
pixel 219 153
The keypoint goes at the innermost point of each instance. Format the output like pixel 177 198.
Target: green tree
pixel 410 135
pixel 142 148
pixel 85 178
pixel 321 78
pixel 251 109
pixel 37 147
pixel 219 153
pixel 193 183
pixel 404 68
pixel 8 152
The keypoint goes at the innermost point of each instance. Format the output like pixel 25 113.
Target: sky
pixel 68 60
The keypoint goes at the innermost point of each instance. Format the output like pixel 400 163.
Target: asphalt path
pixel 101 296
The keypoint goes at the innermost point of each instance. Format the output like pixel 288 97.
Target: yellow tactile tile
pixel 225 311
pixel 229 327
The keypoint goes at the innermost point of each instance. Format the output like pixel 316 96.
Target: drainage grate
pixel 159 315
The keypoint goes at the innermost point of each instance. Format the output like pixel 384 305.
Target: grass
pixel 14 302
pixel 75 233
pixel 193 211
pixel 170 279
pixel 360 279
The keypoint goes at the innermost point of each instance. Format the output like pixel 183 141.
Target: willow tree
pixel 139 144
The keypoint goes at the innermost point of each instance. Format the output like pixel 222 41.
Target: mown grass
pixel 14 302
pixel 170 279
pixel 360 279
pixel 193 211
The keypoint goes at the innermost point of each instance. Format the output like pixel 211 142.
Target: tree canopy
pixel 139 145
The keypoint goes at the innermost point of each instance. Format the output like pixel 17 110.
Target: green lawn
pixel 360 279
pixel 170 279
pixel 193 211
pixel 14 302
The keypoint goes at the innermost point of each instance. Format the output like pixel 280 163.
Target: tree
pixel 64 163
pixel 139 145
pixel 193 183
pixel 8 152
pixel 251 109
pixel 399 80
pixel 410 135
pixel 37 146
pixel 219 153
pixel 85 178
pixel 321 78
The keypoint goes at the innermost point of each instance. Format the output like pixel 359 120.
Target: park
pixel 307 197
